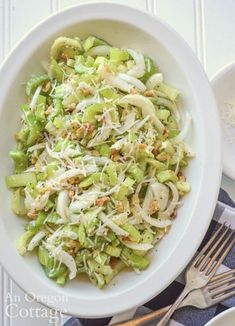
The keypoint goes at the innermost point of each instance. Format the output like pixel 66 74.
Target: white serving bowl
pixel 223 86
pixel 126 27
pixel 226 318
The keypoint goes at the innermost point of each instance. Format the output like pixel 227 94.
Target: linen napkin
pixel 188 316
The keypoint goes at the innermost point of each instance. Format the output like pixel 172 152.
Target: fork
pixel 220 288
pixel 204 265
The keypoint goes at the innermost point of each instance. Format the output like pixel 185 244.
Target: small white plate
pixel 226 318
pixel 223 84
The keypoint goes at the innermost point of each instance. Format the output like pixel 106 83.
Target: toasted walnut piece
pixel 154 207
pixel 32 214
pixel 163 156
pixel 115 155
pixel 73 180
pixel 173 215
pixel 48 110
pixel 33 160
pixel 181 176
pixel 64 134
pixel 133 91
pixel 80 132
pixel 142 146
pixel 102 201
pixel 46 86
pixel 150 93
pixel 71 107
pixel 165 133
pixel 88 127
pixel 157 145
pixel 64 56
pixel 119 207
pixel 71 193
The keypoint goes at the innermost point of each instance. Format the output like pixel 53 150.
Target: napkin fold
pixel 188 316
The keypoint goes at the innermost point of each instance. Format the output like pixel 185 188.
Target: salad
pixel 98 161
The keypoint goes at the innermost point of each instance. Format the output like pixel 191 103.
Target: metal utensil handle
pixel 141 320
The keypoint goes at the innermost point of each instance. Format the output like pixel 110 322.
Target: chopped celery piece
pixel 91 112
pixel 170 91
pixel 56 71
pixel 45 258
pixel 23 240
pixel 34 82
pixel 125 189
pixel 156 164
pixel 136 172
pixel 20 180
pixel 134 234
pixel 118 266
pixel 91 41
pixel 61 279
pixel 131 259
pixel 20 159
pixel 17 203
pixel 105 150
pixel 88 181
pixel 167 175
pixel 109 93
pixel 163 114
pixel 113 251
pixel 117 55
pixel 102 269
pixel 150 69
pixel 36 224
pixel 183 187
pixel 147 237
pixel 112 174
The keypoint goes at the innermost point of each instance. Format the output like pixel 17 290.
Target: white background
pixel 207 25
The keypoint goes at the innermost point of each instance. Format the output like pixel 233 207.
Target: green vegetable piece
pixel 168 147
pixel 101 258
pixel 20 180
pixel 157 164
pixel 17 203
pixel 55 272
pixel 150 69
pixel 163 114
pixel 51 168
pixel 33 83
pixel 81 66
pixel 82 234
pixel 170 91
pixel 91 111
pixel 98 268
pixel 23 240
pixel 112 174
pixel 105 150
pixel 136 172
pixel 54 218
pixel 131 259
pixel 117 266
pixel 109 93
pixel 125 189
pixel 183 187
pixel 88 181
pixel 38 223
pixel 134 234
pixel 45 258
pixel 167 175
pixel 118 55
pixel 40 109
pixel 20 159
pixel 56 71
pixel 61 279
pixel 147 237
pixel 68 46
pixel 91 41
pixel 113 251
